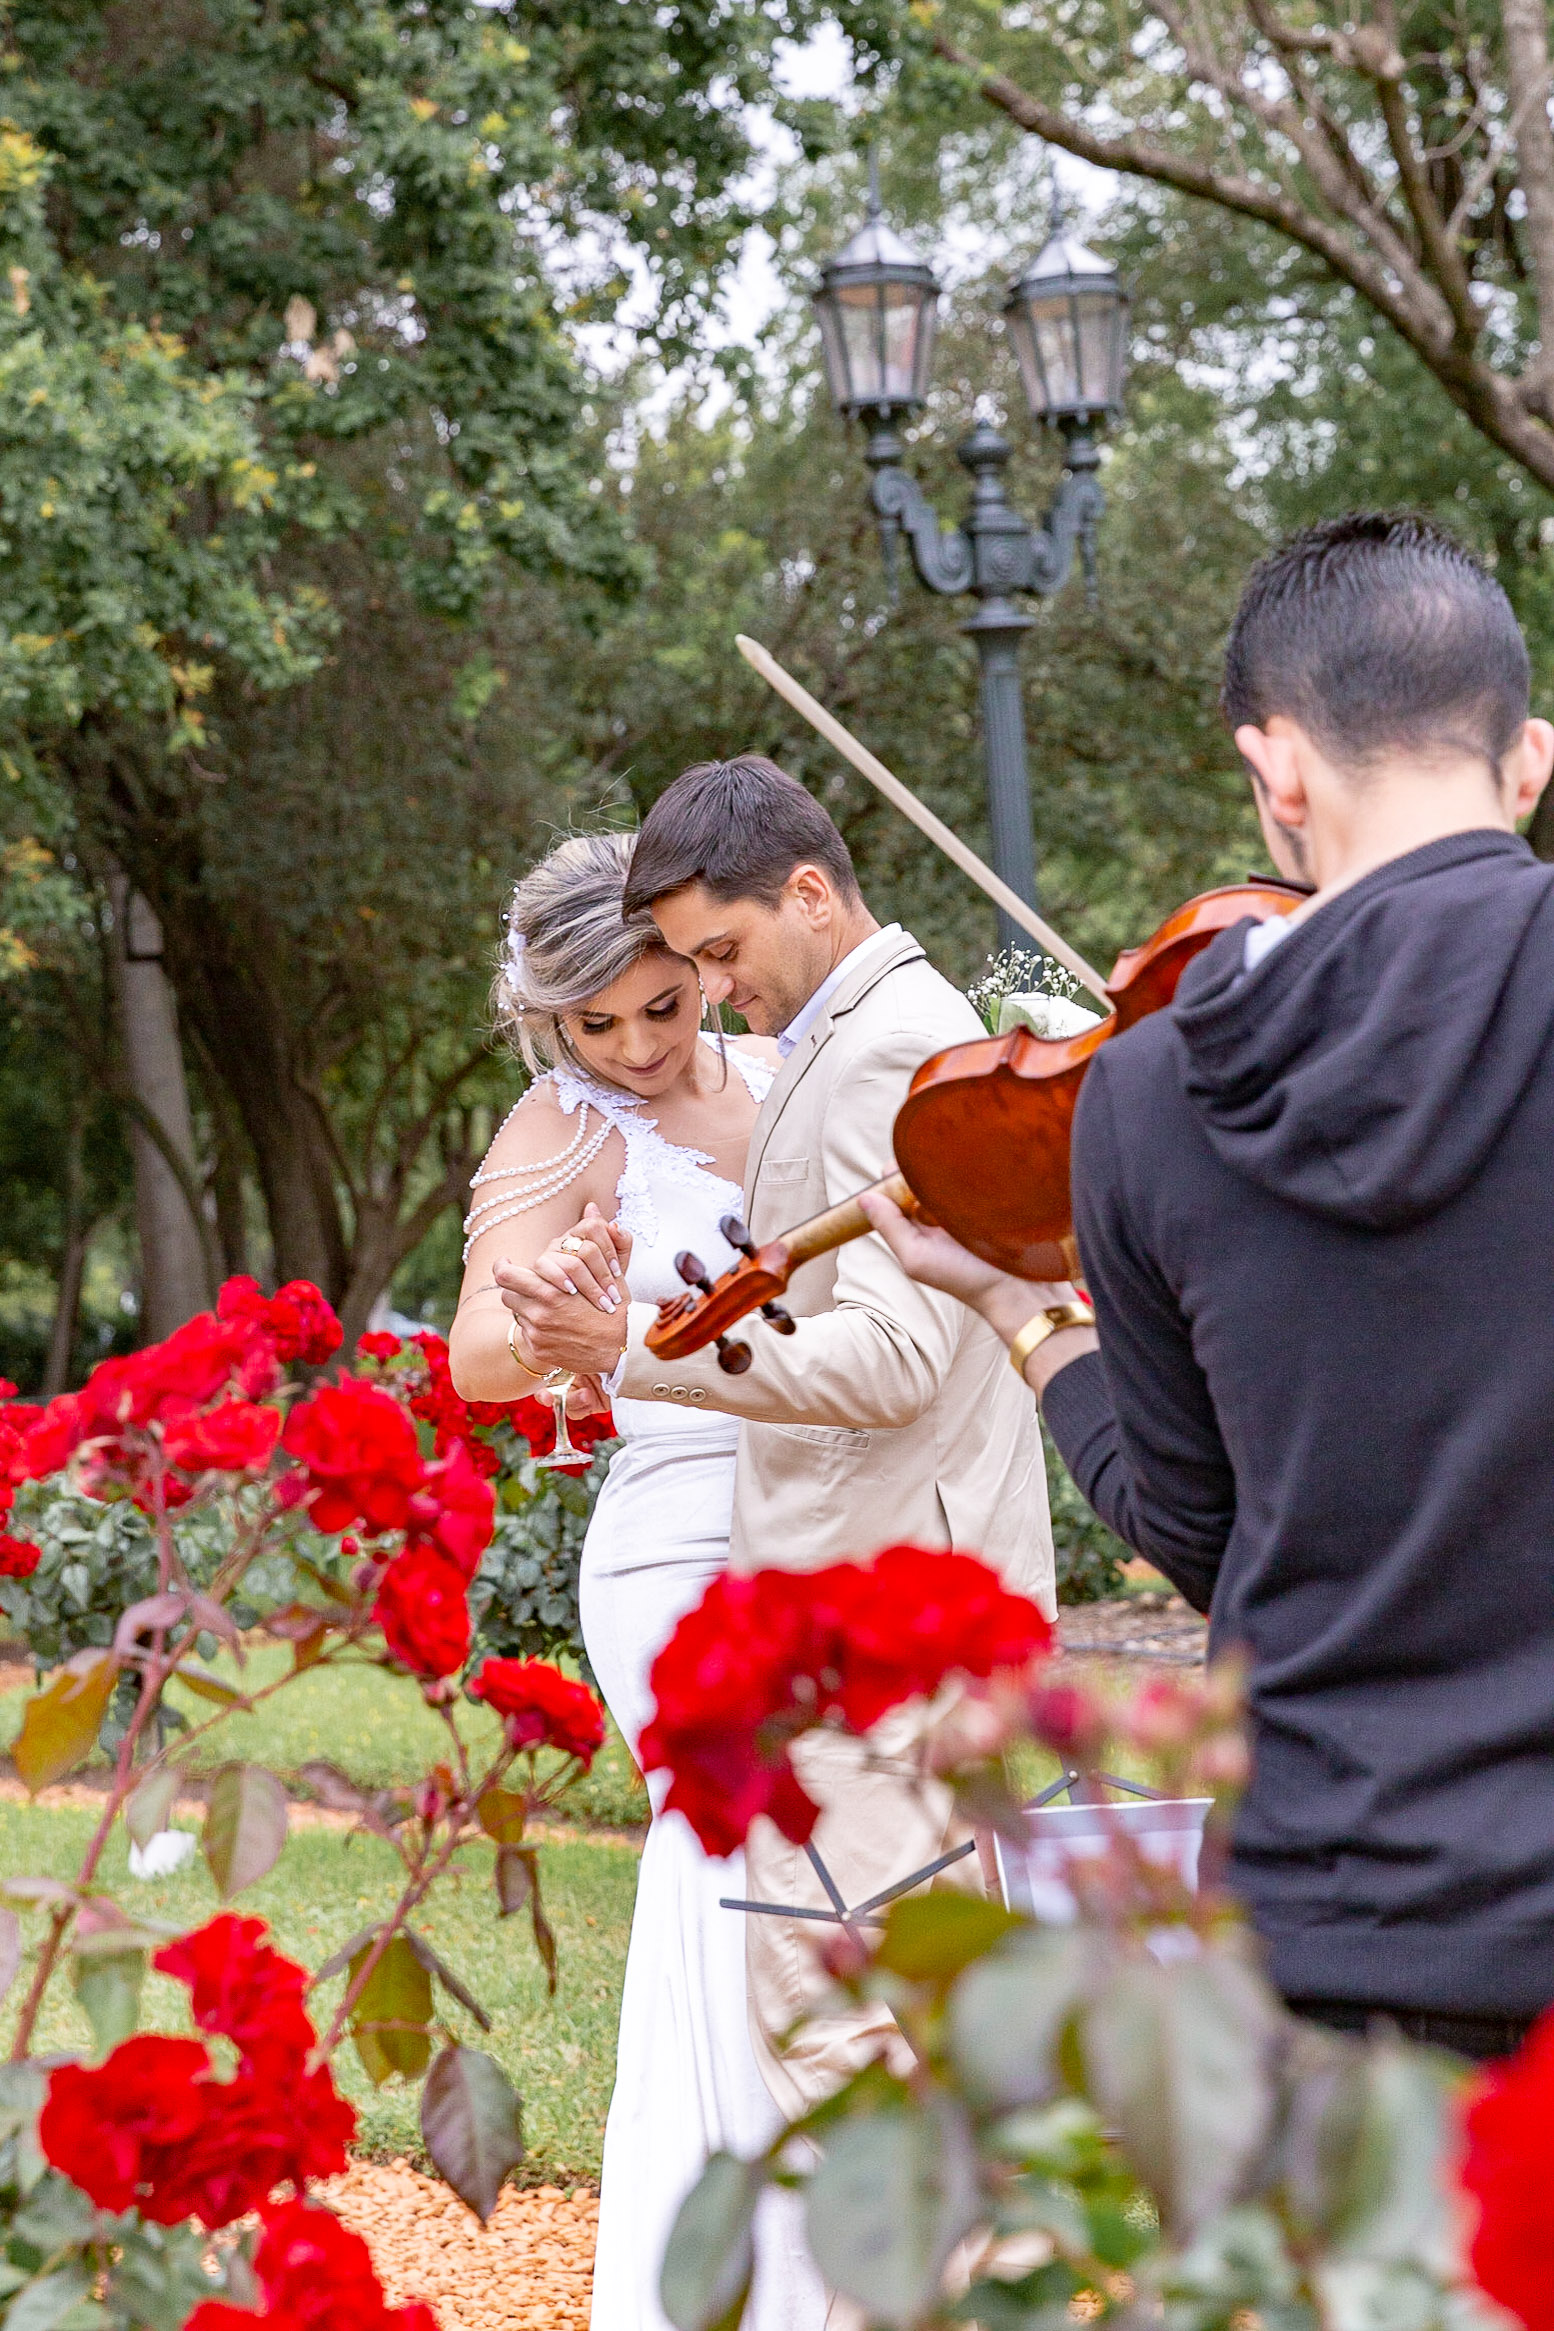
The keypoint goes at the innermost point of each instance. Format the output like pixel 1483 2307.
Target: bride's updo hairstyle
pixel 567 940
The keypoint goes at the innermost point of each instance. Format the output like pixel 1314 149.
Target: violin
pixel 981 1144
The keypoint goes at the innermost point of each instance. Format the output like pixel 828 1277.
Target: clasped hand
pixel 570 1304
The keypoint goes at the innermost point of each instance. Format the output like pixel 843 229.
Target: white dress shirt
pixel 804 1019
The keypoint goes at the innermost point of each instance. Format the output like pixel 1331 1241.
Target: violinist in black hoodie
pixel 1315 1202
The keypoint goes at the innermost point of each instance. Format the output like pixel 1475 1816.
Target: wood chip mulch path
pixel 530 2269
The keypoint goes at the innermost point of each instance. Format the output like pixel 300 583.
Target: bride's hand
pixel 590 1260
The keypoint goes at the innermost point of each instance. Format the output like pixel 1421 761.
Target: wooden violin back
pixel 983 1135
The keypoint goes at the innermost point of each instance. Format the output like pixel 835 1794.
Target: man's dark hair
pixel 740 827
pixel 1380 634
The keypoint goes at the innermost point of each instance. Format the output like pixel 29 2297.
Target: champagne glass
pixel 565 1456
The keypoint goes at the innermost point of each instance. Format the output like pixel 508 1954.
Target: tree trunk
pixel 174 1281
pixel 72 1259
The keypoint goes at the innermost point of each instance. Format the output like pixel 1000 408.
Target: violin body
pixel 981 1140
pixel 983 1134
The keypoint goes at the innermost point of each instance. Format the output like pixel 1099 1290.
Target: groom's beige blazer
pixel 891 1413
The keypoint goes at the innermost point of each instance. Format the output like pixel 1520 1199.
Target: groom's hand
pixel 559 1329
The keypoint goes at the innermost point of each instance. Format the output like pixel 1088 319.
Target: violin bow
pixel 763 661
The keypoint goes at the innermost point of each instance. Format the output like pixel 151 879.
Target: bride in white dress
pixel 646 1117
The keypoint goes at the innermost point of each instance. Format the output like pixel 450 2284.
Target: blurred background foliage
pixel 443 558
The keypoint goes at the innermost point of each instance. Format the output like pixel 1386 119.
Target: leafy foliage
pixel 1114 2118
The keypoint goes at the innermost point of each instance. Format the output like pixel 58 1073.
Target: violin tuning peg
pixel 735 1232
pixel 733 1358
pixel 693 1270
pixel 783 1321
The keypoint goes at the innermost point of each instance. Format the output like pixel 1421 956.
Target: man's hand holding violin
pixel 1009 1305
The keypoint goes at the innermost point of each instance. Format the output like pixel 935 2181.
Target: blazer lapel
pixel 804 1054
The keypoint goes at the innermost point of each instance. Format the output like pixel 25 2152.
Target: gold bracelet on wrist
pixel 1049 1322
pixel 526 1365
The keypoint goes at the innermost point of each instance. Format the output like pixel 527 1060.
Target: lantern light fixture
pixel 1067 317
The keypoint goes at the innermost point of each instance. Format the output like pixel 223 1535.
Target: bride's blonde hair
pixel 567 940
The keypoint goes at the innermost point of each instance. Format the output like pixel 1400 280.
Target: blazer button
pixel 697 1393
pixel 678 1392
pixel 660 1391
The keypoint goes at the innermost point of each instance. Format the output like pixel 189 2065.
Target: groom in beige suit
pixel 891 1412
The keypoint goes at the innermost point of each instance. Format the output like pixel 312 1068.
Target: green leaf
pixel 206 1686
pixel 61 1723
pixel 58 2216
pixel 893 2194
pixel 471 2122
pixel 23 2088
pixel 43 2305
pixel 440 1969
pixel 150 1808
pixel 1180 2059
pixel 1371 2165
pixel 517 1877
pixel 1007 2011
pixel 158 2276
pixel 929 1938
pixel 514 1877
pixel 501 1813
pixel 245 1827
pixel 389 2020
pixel 108 1987
pixel 710 2259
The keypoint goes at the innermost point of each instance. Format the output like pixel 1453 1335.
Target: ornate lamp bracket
pixel 996 552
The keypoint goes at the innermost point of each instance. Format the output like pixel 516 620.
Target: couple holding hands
pixel 889 1413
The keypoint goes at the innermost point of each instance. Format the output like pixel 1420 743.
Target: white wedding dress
pixel 686 2079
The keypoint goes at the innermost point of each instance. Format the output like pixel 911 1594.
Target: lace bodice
pixel 669 1200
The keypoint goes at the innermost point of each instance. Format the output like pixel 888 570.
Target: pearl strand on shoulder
pixel 557 1174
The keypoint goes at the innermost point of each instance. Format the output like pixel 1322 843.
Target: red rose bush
pixel 763 1658
pixel 372 1496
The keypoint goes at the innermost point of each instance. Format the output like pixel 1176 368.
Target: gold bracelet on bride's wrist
pixel 525 1364
pixel 1049 1322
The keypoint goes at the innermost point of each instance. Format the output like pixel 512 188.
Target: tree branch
pixel 1527 74
pixel 1421 325
pixel 1441 254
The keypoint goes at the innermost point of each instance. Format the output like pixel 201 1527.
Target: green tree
pixel 291 393
pixel 1407 152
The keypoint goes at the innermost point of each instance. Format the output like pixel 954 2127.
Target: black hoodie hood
pixel 1366 1068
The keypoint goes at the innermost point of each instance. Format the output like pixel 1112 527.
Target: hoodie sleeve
pixel 1134 1421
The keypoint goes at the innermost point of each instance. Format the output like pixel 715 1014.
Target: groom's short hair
pixel 740 827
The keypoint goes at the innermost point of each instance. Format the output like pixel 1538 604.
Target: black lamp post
pixel 878 307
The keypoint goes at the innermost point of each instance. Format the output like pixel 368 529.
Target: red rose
pixel 1507 2124
pixel 268 2127
pixel 316 2275
pixel 455 1511
pixel 154 2128
pixel 424 1612
pixel 765 1657
pixel 378 1347
pixel 237 1436
pixel 296 1321
pixel 109 2129
pixel 359 1453
pixel 19 1557
pixel 541 1707
pixel 241 1986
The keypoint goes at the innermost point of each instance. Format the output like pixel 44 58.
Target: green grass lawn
pixel 369 1721
pixel 559 2053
